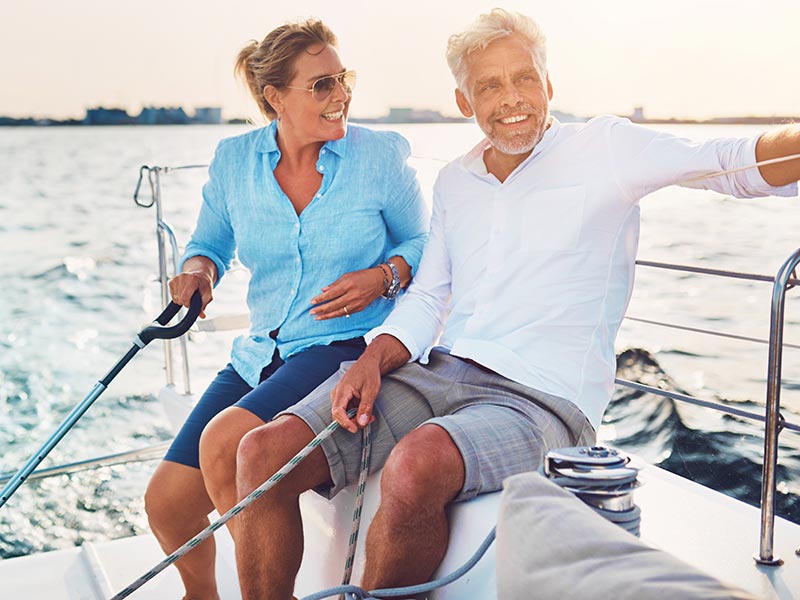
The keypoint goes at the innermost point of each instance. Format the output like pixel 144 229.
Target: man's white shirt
pixel 531 277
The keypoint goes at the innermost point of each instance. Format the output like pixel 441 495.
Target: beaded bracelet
pixel 385 278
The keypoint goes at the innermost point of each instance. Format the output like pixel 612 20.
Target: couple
pixel 525 276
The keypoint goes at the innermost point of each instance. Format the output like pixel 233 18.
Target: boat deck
pixel 713 532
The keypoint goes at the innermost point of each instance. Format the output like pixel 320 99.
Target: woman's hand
pixel 349 294
pixel 199 274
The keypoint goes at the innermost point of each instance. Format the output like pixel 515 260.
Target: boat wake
pixel 717 450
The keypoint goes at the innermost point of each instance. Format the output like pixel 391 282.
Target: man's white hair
pixel 487 28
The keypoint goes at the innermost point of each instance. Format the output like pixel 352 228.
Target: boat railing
pixel 167 268
pixel 774 421
pixel 154 452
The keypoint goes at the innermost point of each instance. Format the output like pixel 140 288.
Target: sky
pixel 675 58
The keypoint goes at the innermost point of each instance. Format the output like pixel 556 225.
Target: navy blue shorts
pixel 283 384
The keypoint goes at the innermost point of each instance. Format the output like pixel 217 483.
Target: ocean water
pixel 78 267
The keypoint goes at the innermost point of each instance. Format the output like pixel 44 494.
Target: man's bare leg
pixel 408 537
pixel 269 540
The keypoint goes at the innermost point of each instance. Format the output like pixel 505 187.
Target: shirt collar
pixel 473 160
pixel 268 141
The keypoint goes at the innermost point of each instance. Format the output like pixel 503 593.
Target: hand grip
pixel 159 332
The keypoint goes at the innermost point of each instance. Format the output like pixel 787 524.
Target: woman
pixel 330 222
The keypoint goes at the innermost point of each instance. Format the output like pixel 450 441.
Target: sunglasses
pixel 324 86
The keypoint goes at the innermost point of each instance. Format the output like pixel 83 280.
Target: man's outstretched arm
pixel 783 141
pixel 362 382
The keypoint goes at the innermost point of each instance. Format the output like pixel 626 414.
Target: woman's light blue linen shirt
pixel 368 208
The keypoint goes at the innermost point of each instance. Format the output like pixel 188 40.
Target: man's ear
pixel 549 87
pixel 463 104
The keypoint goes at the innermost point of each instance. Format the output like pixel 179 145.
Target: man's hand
pixel 362 382
pixel 360 385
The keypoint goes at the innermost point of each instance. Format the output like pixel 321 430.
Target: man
pixel 529 268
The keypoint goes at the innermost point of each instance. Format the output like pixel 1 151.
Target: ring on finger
pixel 346 312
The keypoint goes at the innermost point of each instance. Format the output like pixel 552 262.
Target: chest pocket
pixel 552 219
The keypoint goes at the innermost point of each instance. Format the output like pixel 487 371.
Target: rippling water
pixel 79 259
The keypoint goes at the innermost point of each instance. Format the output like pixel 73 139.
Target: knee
pixel 262 451
pixel 253 449
pixel 220 439
pixel 265 450
pixel 213 447
pixel 406 477
pixel 420 477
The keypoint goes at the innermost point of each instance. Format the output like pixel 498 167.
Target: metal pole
pixel 772 425
pixel 162 273
pixel 173 242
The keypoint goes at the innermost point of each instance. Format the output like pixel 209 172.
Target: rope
pixel 253 496
pixel 366 448
pixel 361 594
pixel 762 163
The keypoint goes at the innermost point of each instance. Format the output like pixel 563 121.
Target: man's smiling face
pixel 507 94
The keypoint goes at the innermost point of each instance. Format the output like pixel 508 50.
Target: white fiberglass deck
pixel 712 532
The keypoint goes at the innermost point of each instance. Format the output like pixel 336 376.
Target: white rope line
pixel 762 163
pixel 254 495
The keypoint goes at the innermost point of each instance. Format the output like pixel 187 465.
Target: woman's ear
pixel 274 97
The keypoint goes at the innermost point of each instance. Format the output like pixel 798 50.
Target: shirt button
pixel 323 151
pixel 297 260
pixel 321 167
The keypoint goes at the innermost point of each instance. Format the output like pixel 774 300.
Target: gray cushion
pixel 552 546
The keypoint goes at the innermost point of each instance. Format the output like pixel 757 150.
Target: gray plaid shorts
pixel 500 427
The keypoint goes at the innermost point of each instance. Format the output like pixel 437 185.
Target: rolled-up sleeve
pixel 418 317
pixel 646 160
pixel 404 211
pixel 213 235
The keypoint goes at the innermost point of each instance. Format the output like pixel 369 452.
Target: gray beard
pixel 521 145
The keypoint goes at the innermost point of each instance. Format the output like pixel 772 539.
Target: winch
pixel 601 477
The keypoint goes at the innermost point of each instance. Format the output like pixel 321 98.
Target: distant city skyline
pixel 701 59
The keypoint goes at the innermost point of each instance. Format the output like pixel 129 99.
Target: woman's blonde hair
pixel 488 27
pixel 272 62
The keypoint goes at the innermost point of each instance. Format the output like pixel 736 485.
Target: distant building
pixel 638 114
pixel 107 116
pixel 411 115
pixel 152 115
pixel 210 115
